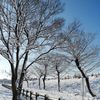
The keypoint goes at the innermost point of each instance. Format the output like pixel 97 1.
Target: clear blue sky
pixel 87 12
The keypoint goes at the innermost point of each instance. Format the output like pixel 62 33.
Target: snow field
pixel 70 89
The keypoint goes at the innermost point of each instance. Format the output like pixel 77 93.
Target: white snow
pixel 70 89
pixel 5 94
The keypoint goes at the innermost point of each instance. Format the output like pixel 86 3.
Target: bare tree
pixel 37 71
pixel 78 49
pixel 59 65
pixel 45 74
pixel 28 30
pixel 45 68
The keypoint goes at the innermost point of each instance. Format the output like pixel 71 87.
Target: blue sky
pixel 87 12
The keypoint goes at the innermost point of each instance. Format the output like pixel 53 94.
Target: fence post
pixel 30 95
pixel 46 97
pixel 58 98
pixel 27 93
pixel 23 92
pixel 36 96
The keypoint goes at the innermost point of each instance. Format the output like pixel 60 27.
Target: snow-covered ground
pixel 70 89
pixel 5 94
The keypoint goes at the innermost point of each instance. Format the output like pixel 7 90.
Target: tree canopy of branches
pixel 28 30
pixel 78 49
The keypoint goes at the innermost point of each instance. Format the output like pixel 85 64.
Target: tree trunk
pixel 20 84
pixel 14 89
pixel 58 81
pixel 27 83
pixel 39 83
pixel 44 82
pixel 88 86
pixel 86 78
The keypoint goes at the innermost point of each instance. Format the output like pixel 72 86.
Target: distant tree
pixel 45 74
pixel 45 68
pixel 58 65
pixel 78 49
pixel 92 74
pixel 29 29
pixel 38 72
pixel 77 76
